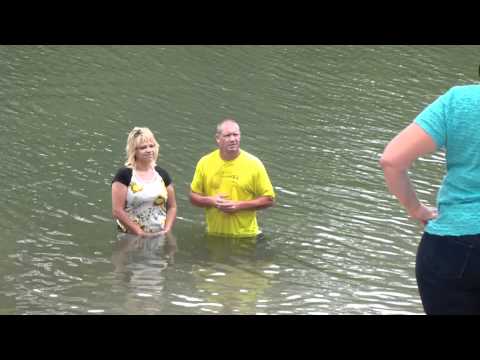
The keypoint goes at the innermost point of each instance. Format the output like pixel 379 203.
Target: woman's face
pixel 145 151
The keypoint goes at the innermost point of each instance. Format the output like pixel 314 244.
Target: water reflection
pixel 234 276
pixel 131 250
pixel 139 265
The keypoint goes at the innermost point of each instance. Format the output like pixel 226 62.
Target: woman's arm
pixel 171 209
pixel 396 160
pixel 119 198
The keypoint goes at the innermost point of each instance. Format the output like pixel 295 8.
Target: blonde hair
pixel 138 136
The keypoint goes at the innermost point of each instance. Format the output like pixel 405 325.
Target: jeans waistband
pixel 471 241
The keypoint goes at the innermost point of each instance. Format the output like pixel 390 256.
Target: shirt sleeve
pixel 263 186
pixel 197 185
pixel 123 175
pixel 165 176
pixel 433 119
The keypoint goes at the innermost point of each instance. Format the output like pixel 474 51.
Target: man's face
pixel 229 139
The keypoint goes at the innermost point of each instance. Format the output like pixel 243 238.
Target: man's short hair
pixel 220 124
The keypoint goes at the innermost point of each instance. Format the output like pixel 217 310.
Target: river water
pixel 317 116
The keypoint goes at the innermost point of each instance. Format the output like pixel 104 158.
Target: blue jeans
pixel 448 274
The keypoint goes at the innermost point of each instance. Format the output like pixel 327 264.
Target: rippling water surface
pixel 318 116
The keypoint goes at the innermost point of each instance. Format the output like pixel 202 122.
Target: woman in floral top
pixel 143 197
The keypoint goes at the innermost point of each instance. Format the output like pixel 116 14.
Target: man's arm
pixel 229 206
pixel 201 200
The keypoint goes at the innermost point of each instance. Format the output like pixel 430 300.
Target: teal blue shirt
pixel 453 122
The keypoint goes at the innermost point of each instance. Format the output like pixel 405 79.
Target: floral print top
pixel 146 200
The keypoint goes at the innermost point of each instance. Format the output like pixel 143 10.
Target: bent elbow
pixel 195 199
pixel 387 162
pixel 383 162
pixel 393 165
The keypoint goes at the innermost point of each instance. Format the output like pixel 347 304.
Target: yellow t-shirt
pixel 243 178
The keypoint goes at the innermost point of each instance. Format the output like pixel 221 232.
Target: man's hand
pixel 230 206
pixel 225 205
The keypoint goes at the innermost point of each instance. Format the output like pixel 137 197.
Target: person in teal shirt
pixel 448 257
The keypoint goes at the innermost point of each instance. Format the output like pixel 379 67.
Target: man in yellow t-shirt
pixel 231 184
